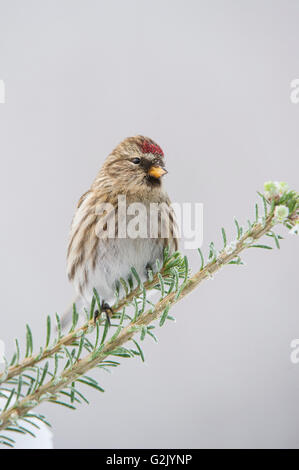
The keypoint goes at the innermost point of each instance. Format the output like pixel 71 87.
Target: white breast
pixel 115 257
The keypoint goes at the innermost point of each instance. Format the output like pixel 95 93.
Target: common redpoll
pixel 110 233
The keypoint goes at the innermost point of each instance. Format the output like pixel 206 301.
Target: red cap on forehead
pixel 147 147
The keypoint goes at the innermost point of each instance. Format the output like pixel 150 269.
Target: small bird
pixel 133 171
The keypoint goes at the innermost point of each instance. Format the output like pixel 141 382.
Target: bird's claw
pixel 105 307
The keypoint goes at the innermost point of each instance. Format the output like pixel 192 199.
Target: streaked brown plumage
pixel 133 170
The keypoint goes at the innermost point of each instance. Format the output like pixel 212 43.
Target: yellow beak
pixel 156 171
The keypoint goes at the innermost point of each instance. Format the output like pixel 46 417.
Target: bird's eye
pixel 136 160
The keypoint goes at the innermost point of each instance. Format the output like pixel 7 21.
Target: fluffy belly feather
pixel 114 261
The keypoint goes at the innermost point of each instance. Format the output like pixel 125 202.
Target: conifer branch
pixel 56 372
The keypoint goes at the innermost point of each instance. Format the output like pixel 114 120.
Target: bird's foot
pixel 149 272
pixel 105 307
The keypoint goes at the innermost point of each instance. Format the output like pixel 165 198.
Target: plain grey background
pixel 210 82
